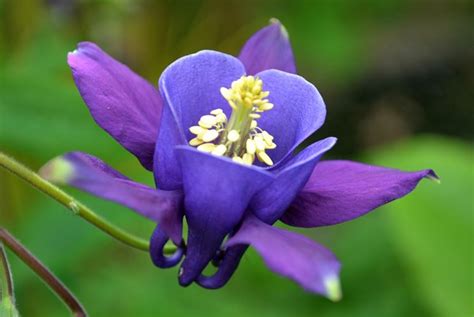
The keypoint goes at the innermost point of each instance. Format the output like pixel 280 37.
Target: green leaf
pixel 432 228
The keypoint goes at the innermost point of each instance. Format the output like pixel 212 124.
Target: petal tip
pixel 83 48
pixel 70 57
pixel 184 279
pixel 431 175
pixel 58 170
pixel 283 30
pixel 333 288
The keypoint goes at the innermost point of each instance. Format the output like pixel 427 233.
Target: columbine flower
pixel 220 137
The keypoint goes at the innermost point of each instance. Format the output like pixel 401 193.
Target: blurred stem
pixel 47 276
pixel 77 208
pixel 6 283
pixel 7 295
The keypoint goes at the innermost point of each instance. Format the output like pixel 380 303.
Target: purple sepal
pixel 339 191
pixel 269 48
pixel 292 255
pixel 217 192
pixel 273 200
pixel 121 102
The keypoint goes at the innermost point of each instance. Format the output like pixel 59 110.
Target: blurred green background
pixel 397 78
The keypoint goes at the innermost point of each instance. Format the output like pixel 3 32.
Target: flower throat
pixel 238 137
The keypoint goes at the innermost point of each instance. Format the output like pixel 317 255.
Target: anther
pixel 210 135
pixel 196 142
pixel 206 147
pixel 250 146
pixel 219 150
pixel 207 121
pixel 233 136
pixel 263 157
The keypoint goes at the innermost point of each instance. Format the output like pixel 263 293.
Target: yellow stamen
pixel 206 147
pixel 207 121
pixel 238 159
pixel 248 158
pixel 219 150
pixel 196 129
pixel 250 146
pixel 217 111
pixel 210 135
pixel 259 143
pixel 263 157
pixel 233 136
pixel 196 142
pixel 239 136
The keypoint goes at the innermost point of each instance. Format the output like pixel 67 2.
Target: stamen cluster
pixel 238 137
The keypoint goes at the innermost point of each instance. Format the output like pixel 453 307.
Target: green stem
pixel 77 207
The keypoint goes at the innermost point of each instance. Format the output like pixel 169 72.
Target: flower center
pixel 238 137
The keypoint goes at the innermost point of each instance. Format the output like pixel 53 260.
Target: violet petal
pixel 121 102
pixel 157 243
pixel 225 270
pixel 339 191
pixel 190 88
pixel 298 111
pixel 217 192
pixel 272 201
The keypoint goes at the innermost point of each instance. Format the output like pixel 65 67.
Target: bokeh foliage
pixel 389 70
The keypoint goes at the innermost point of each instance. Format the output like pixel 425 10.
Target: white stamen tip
pixel 221 117
pixel 266 106
pixel 210 135
pixel 219 150
pixel 226 93
pixel 250 146
pixel 216 111
pixel 259 143
pixel 263 157
pixel 238 159
pixel 233 136
pixel 207 121
pixel 196 142
pixel 253 124
pixel 206 147
pixel 248 158
pixel 196 129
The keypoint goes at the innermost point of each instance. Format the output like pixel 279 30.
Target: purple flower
pixel 246 116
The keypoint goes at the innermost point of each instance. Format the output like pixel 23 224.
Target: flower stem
pixel 6 284
pixel 77 207
pixel 47 276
